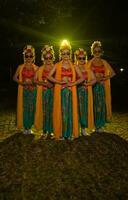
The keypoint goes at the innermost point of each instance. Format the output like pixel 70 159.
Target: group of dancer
pixel 65 98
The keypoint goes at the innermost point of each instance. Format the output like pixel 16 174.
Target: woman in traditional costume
pixel 26 99
pixel 84 91
pixel 65 108
pixel 102 88
pixel 44 103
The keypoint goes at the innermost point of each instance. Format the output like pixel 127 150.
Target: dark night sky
pixel 81 21
pixel 38 22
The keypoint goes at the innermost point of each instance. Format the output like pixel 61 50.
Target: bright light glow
pixel 65 43
pixel 121 69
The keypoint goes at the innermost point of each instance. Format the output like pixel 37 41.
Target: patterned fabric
pixel 66 72
pixel 107 88
pixel 98 69
pixel 20 97
pixel 47 103
pixel 57 105
pixel 44 77
pixel 99 98
pixel 67 122
pixel 28 75
pixel 99 105
pixel 83 106
pixel 29 102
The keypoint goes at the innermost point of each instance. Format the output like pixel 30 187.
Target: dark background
pixel 38 22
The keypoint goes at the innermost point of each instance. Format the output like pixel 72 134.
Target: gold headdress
pixel 78 52
pixel 29 49
pixel 95 44
pixel 65 45
pixel 47 49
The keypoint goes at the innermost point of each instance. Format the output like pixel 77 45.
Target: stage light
pixel 121 69
pixel 65 43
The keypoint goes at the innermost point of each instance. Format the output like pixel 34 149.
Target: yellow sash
pixel 90 100
pixel 38 122
pixel 107 91
pixel 57 110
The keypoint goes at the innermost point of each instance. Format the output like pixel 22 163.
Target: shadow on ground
pixel 91 167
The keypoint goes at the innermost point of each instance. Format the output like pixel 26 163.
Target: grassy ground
pixel 118 125
pixel 91 167
pixel 94 167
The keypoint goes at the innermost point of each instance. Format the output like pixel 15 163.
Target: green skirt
pixel 83 106
pixel 99 105
pixel 67 120
pixel 29 104
pixel 47 99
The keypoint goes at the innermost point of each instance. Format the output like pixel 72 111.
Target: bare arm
pixel 16 76
pixel 52 79
pixel 44 83
pixel 78 72
pixel 36 77
pixel 111 72
pixel 36 74
pixel 80 80
pixel 93 79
